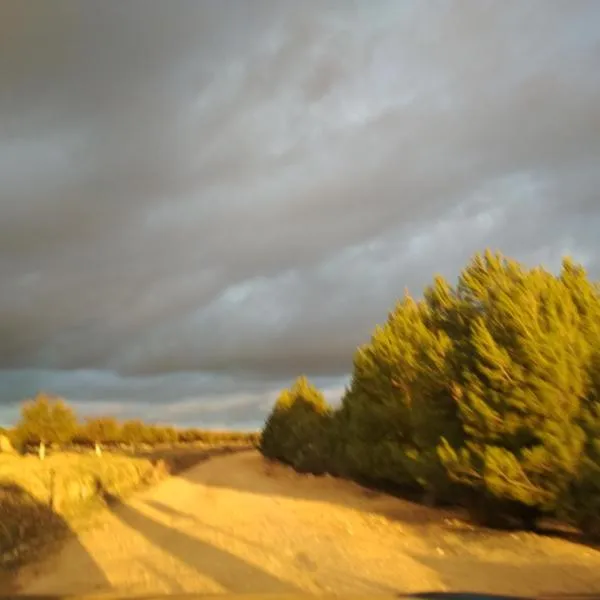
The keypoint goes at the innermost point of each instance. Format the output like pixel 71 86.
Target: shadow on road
pixel 448 544
pixel 39 532
pixel 257 475
pixel 231 572
pixel 362 584
pixel 173 513
pixel 253 474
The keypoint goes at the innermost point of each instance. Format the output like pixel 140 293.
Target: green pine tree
pixel 520 394
pixel 296 431
pixel 399 401
pixel 583 506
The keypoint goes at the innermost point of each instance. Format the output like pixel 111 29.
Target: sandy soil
pixel 239 524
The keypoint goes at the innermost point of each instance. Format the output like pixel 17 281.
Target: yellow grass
pixel 41 501
pixel 39 498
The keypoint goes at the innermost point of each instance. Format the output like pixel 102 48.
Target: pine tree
pixel 398 403
pixel 296 430
pixel 583 506
pixel 520 396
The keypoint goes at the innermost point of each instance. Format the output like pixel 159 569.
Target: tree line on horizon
pixel 485 393
pixel 49 420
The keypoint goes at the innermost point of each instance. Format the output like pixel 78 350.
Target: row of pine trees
pixel 485 393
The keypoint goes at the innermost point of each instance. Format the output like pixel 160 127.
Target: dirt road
pixel 238 524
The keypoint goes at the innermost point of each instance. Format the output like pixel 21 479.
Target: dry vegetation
pixel 41 500
pixel 38 499
pixel 54 468
pixel 240 524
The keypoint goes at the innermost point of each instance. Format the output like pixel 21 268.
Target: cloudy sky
pixel 201 200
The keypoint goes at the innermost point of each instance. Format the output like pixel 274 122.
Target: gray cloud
pixel 201 200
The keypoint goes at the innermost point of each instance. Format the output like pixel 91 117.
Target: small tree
pixel 47 419
pixel 296 430
pixel 132 432
pixel 101 430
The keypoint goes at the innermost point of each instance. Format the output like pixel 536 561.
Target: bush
pixel 132 432
pixel 46 420
pixel 99 431
pixel 38 498
pixel 296 430
pixel 218 437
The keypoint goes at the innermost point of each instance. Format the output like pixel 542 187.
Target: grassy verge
pixel 42 502
pixel 39 499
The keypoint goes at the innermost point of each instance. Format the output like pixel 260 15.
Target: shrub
pixel 44 420
pixel 39 498
pixel 296 430
pixel 101 430
pixel 132 432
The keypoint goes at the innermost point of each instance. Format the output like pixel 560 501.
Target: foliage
pixel 132 431
pixel 296 430
pixel 217 437
pixel 38 499
pixel 399 402
pixel 50 420
pixel 107 430
pixel 101 430
pixel 519 397
pixel 584 502
pixel 486 393
pixel 46 419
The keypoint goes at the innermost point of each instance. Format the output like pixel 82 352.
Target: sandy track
pixel 239 524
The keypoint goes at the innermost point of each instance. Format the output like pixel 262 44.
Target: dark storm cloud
pixel 241 190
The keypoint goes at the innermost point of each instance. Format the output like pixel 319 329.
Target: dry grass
pixel 39 499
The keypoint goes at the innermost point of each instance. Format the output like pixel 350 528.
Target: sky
pixel 200 201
